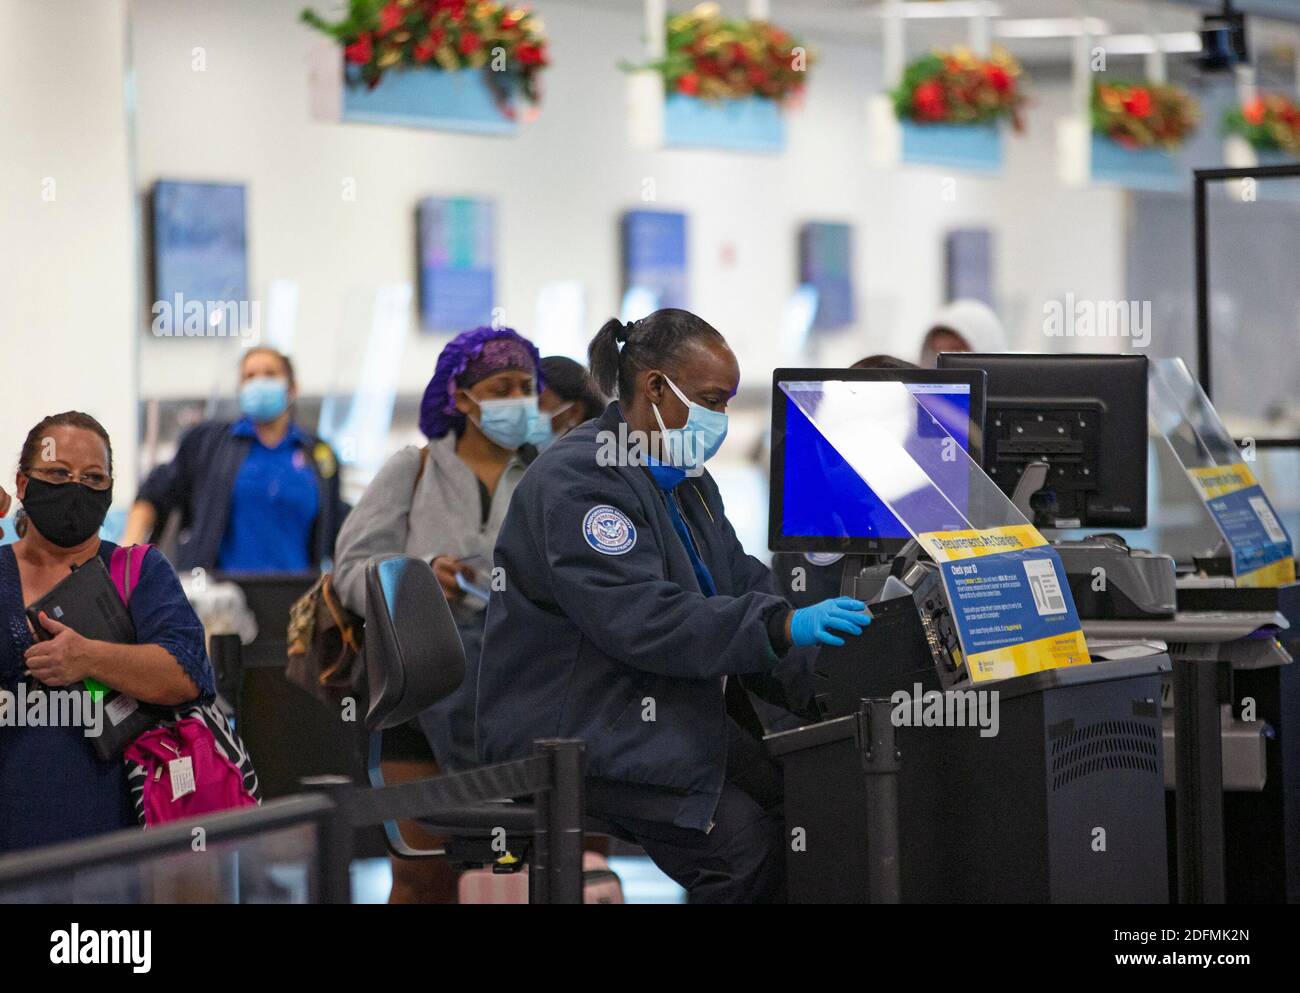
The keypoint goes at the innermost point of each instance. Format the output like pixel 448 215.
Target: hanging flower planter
pixel 1269 126
pixel 725 82
pixel 1136 129
pixel 445 64
pixel 951 105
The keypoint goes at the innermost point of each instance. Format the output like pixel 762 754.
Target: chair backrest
pixel 414 657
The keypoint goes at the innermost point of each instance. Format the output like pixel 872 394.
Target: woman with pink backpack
pixel 55 783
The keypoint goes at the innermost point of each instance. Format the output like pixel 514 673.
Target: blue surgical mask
pixel 508 422
pixel 264 398
pixel 542 431
pixel 699 439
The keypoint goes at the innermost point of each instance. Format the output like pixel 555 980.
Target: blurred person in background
pixel 444 503
pixel 963 326
pixel 570 397
pixel 260 494
pixel 53 784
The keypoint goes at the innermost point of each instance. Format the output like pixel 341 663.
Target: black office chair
pixel 414 658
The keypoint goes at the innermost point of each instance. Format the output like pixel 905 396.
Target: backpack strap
pixel 124 568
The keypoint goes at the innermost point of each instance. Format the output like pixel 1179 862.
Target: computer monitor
pixel 818 502
pixel 1085 416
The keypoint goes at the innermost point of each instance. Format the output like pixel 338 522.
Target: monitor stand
pixel 864 575
pixel 1109 580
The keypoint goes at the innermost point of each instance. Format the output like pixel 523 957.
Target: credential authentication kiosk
pixel 1026 769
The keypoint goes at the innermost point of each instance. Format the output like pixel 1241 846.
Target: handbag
pixel 325 638
pixel 191 761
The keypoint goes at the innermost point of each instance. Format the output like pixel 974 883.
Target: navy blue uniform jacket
pixel 199 480
pixel 619 647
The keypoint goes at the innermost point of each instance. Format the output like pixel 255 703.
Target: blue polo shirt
pixel 273 506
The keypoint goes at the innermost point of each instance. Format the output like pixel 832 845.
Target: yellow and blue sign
pixel 1262 554
pixel 1010 600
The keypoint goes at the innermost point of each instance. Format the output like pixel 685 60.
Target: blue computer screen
pixel 823 497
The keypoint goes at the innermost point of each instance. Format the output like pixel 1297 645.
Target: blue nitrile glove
pixel 816 624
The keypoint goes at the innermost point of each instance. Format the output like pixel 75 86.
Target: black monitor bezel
pixel 1084 380
pixel 975 379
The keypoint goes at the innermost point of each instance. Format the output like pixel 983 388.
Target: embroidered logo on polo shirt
pixel 324 456
pixel 608 530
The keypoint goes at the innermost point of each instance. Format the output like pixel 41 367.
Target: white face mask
pixel 508 422
pixel 696 441
pixel 542 432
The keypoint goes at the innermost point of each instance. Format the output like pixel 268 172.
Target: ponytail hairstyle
pixel 35 441
pixel 654 342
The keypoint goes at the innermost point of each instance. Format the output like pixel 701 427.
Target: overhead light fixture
pixel 1050 27
pixel 953 9
pixel 1173 43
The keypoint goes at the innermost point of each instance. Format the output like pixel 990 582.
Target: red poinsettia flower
pixel 469 43
pixel 1138 102
pixel 1253 112
pixel 530 54
pixel 424 50
pixel 998 78
pixel 360 51
pixel 389 18
pixel 929 102
pixel 689 84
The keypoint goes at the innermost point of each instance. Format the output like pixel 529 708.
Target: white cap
pixel 975 321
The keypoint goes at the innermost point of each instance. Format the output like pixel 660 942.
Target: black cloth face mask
pixel 66 513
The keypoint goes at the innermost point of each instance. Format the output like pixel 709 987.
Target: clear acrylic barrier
pixel 278 866
pixel 1257 542
pixel 1008 594
pixel 904 454
pixel 1186 419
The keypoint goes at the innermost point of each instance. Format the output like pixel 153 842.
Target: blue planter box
pixel 427 98
pixel 753 124
pixel 1138 168
pixel 956 146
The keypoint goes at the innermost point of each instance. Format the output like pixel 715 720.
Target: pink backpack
pixel 191 762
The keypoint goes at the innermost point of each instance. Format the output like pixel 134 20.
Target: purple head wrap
pixel 468 358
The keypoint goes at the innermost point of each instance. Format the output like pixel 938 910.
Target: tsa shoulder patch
pixel 608 530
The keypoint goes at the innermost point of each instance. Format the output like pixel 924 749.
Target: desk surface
pixel 1207 626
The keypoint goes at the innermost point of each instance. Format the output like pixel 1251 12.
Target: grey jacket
pixel 439 515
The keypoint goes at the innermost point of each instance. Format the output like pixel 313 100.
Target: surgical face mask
pixel 264 398
pixel 698 440
pixel 542 431
pixel 508 422
pixel 65 514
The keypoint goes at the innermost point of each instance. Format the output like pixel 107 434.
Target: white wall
pixel 67 262
pixel 560 188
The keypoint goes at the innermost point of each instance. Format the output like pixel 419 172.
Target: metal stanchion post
pixel 880 764
pixel 335 839
pixel 560 821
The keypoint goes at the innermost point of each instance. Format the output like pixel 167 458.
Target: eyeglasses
pixel 95 480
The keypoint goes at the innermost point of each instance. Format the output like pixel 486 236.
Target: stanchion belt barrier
pixel 461 801
pixel 456 794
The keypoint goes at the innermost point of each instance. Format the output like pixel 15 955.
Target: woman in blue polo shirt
pixel 258 495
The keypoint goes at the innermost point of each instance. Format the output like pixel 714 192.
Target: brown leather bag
pixel 326 639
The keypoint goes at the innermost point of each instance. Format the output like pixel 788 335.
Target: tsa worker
pixel 260 494
pixel 631 617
